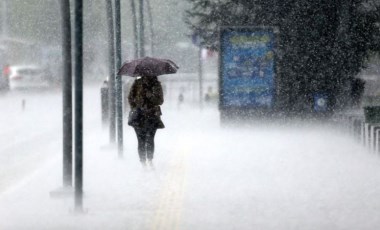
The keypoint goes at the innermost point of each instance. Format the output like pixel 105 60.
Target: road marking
pixel 169 211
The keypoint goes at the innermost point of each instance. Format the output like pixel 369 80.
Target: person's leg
pixel 150 143
pixel 141 143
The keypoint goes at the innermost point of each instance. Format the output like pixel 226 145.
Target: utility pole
pixel 4 18
pixel 111 80
pixel 142 28
pixel 135 30
pixel 200 74
pixel 67 94
pixel 78 12
pixel 150 15
pixel 119 86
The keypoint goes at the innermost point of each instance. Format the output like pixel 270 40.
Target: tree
pixel 322 44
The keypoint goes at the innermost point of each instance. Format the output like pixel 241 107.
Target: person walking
pixel 146 96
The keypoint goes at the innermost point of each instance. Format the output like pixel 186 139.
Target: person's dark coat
pixel 146 94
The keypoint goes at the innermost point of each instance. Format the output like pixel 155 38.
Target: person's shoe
pixel 143 163
pixel 150 163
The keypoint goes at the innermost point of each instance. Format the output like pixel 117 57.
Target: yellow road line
pixel 169 211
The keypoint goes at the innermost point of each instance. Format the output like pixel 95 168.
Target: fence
pixel 367 133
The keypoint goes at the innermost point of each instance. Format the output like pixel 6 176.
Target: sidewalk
pixel 208 177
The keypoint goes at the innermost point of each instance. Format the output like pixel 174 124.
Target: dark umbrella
pixel 148 66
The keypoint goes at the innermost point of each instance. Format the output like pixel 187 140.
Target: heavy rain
pixel 250 114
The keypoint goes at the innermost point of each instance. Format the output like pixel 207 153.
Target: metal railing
pixel 368 134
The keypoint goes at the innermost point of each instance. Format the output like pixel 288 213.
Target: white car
pixel 28 76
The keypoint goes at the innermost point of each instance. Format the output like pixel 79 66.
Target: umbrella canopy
pixel 148 66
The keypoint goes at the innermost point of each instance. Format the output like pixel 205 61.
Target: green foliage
pixel 322 44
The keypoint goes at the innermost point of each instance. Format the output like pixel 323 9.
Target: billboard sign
pixel 247 67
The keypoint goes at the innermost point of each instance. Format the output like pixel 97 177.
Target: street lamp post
pixel 67 94
pixel 142 28
pixel 4 18
pixel 111 80
pixel 200 74
pixel 150 15
pixel 135 34
pixel 119 86
pixel 78 9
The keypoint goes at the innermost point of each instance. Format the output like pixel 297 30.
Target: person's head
pixel 148 79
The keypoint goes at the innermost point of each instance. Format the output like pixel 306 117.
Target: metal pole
pixel 78 104
pixel 150 27
pixel 119 86
pixel 135 34
pixel 4 18
pixel 111 80
pixel 67 94
pixel 141 35
pixel 200 73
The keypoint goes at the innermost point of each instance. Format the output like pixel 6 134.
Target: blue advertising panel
pixel 247 67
